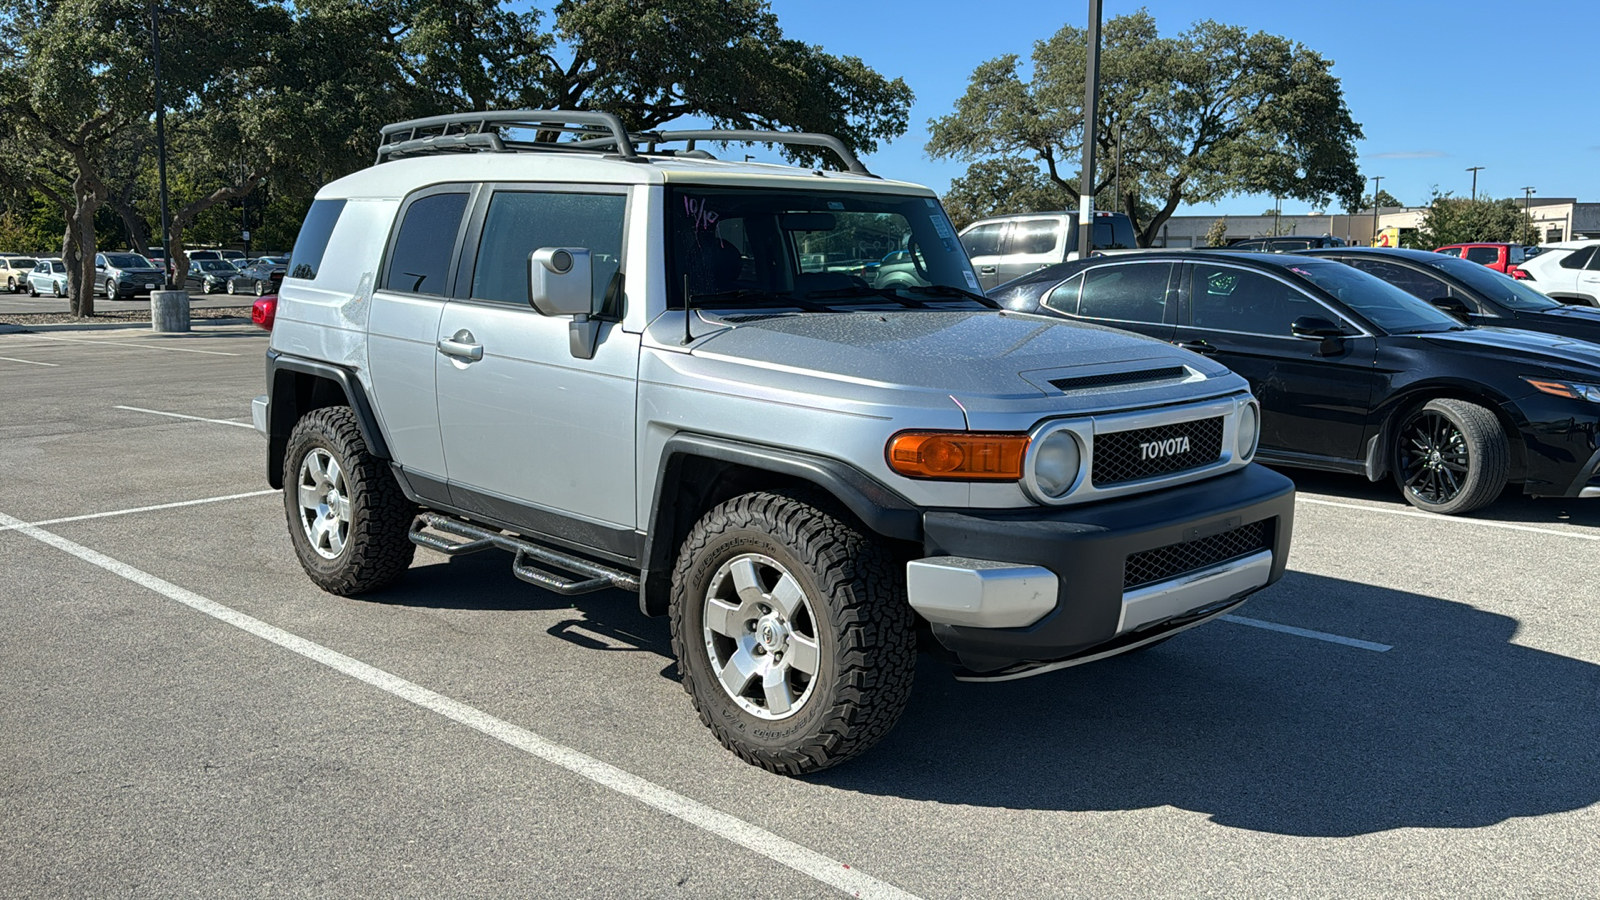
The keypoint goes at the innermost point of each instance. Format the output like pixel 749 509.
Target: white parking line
pixel 157 412
pixel 807 862
pixel 47 337
pixel 1308 633
pixel 30 362
pixel 142 509
pixel 1456 520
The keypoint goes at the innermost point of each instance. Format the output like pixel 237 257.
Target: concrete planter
pixel 169 311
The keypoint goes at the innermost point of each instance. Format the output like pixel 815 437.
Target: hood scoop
pixel 1118 379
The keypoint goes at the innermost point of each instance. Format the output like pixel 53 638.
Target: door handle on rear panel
pixel 1196 347
pixel 986 270
pixel 461 346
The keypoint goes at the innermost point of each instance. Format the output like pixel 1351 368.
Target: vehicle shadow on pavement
pixel 1456 727
pixel 1513 505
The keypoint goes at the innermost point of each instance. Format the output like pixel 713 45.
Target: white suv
pixel 643 368
pixel 1568 271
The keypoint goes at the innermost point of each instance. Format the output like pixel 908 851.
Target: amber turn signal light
pixel 958 456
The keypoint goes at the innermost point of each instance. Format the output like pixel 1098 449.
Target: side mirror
pixel 1453 306
pixel 1315 328
pixel 561 281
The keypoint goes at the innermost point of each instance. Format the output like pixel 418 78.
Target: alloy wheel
pixel 761 634
pixel 324 500
pixel 1433 458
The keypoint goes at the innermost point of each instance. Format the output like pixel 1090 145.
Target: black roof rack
pixel 593 132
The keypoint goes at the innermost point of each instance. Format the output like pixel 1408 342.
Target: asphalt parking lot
pixel 1414 711
pixel 49 303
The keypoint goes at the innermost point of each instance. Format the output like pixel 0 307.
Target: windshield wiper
pixel 749 297
pixel 945 290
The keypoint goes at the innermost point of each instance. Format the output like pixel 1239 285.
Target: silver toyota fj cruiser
pixel 635 366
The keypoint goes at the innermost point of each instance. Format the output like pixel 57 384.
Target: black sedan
pixel 1473 293
pixel 260 277
pixel 1355 375
pixel 209 275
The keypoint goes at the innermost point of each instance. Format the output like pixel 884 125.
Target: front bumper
pixel 1067 572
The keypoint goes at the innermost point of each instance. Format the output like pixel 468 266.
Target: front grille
pixel 1123 456
pixel 1151 566
pixel 1110 379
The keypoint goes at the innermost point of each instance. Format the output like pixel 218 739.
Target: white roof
pixel 393 180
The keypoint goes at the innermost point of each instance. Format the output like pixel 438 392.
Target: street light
pixel 161 146
pixel 1475 170
pixel 1091 113
pixel 1376 181
pixel 1527 208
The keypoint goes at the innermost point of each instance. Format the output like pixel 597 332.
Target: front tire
pixel 61 289
pixel 792 632
pixel 1451 457
pixel 348 519
pixel 111 290
pixel 33 291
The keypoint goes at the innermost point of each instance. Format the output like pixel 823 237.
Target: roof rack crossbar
pixel 406 137
pixel 799 138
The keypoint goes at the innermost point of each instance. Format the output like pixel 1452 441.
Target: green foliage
pixel 1457 220
pixel 1212 112
pixel 1384 199
pixel 1217 234
pixel 994 187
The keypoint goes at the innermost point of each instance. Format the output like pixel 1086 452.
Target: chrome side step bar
pixel 597 577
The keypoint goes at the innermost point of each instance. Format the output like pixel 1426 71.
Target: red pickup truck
pixel 1499 257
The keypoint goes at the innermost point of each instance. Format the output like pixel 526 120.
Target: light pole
pixel 1527 208
pixel 1475 170
pixel 1091 113
pixel 1117 191
pixel 161 146
pixel 1376 180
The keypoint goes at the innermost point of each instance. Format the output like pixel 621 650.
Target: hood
pixel 1575 314
pixel 978 357
pixel 1534 348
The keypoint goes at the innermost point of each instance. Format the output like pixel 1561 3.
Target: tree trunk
pixel 87 194
pixel 138 229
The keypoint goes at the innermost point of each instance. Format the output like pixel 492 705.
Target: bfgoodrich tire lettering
pixel 857 619
pixel 348 520
pixel 1451 457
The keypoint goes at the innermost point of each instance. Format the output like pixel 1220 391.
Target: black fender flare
pixel 878 507
pixel 284 406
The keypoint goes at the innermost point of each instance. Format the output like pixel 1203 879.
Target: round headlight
pixel 1056 462
pixel 1249 430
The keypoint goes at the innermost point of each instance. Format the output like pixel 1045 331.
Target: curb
pixel 112 326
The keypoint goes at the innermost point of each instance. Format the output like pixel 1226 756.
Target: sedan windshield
pixel 1502 289
pixel 815 250
pixel 128 261
pixel 216 265
pixel 1380 302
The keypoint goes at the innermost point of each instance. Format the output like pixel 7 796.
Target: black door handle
pixel 1197 347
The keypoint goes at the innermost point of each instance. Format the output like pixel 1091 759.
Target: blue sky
pixel 1437 86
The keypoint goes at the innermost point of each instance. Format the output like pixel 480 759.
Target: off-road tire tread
pixel 379 548
pixel 1487 452
pixel 860 585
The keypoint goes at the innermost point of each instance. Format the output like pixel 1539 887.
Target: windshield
pixel 1380 302
pixel 814 249
pixel 1502 289
pixel 128 261
pixel 216 265
pixel 22 262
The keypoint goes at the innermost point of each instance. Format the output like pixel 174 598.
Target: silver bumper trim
pixel 980 593
pixel 1174 597
pixel 258 414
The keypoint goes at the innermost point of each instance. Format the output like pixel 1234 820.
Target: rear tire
pixel 769 585
pixel 32 291
pixel 61 289
pixel 348 519
pixel 1451 457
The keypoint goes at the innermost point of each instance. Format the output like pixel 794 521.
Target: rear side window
pixel 1577 258
pixel 419 262
pixel 1417 284
pixel 1483 255
pixel 1037 236
pixel 983 240
pixel 1127 293
pixel 520 222
pixel 1064 298
pixel 306 258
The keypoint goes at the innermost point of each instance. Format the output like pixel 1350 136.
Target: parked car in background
pixel 1469 291
pixel 1568 271
pixel 260 277
pixel 1004 247
pixel 1355 375
pixel 1285 243
pixel 14 272
pixel 48 275
pixel 1500 257
pixel 209 276
pixel 236 257
pixel 124 275
pixel 204 254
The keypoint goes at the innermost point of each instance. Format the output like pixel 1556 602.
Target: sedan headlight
pixel 1572 390
pixel 1249 430
pixel 1055 463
